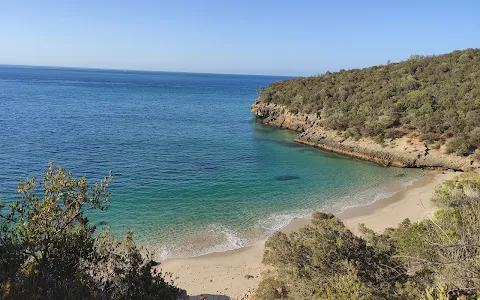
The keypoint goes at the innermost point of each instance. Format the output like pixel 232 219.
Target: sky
pixel 296 38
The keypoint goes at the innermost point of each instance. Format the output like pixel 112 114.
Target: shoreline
pixel 406 151
pixel 386 192
pixel 235 273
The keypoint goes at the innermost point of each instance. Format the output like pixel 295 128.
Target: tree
pixel 48 250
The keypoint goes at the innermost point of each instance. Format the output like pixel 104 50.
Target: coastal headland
pixel 407 151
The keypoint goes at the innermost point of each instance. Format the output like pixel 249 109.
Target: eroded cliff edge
pixel 407 151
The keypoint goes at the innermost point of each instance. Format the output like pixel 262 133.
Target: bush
pixel 448 245
pixel 352 133
pixel 475 137
pixel 476 156
pixel 430 137
pixel 379 139
pixel 48 249
pixel 394 133
pixel 326 261
pixel 460 145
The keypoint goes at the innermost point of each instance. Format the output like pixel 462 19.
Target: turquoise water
pixel 194 171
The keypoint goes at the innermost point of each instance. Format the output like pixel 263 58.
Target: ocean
pixel 195 172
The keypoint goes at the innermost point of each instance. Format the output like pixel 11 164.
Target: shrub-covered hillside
pixel 438 96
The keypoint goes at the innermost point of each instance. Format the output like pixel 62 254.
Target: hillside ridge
pixel 406 151
pixel 422 112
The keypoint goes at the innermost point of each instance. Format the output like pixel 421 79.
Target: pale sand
pixel 227 275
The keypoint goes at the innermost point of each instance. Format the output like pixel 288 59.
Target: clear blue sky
pixel 250 37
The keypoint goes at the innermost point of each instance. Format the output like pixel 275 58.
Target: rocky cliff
pixel 407 151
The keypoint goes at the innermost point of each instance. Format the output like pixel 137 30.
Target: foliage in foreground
pixel 438 96
pixel 435 259
pixel 48 250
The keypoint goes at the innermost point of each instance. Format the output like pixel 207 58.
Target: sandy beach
pixel 233 274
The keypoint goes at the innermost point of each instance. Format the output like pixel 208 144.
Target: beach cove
pixel 194 171
pixel 235 274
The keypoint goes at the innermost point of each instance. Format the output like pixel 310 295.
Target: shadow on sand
pixel 209 297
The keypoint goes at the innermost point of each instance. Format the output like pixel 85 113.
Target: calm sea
pixel 194 171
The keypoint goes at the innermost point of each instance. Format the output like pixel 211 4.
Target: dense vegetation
pixel 438 258
pixel 48 249
pixel 438 96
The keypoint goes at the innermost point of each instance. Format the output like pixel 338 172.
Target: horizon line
pixel 139 70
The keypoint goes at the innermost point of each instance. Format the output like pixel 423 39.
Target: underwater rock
pixel 286 177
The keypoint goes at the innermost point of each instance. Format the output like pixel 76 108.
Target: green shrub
pixel 326 261
pixel 459 145
pixel 394 133
pixel 271 289
pixel 379 139
pixel 352 133
pixel 475 137
pixel 48 249
pixel 430 137
pixel 448 244
pixel 476 156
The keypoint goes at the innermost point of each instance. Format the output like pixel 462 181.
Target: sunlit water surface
pixel 194 171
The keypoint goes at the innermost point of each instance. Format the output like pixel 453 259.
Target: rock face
pixel 407 151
